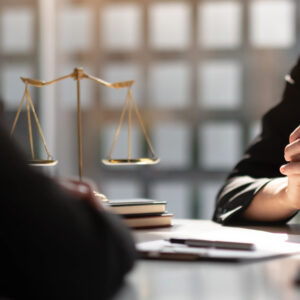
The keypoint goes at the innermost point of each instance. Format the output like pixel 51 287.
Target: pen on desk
pixel 214 244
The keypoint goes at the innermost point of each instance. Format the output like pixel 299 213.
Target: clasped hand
pixel 82 190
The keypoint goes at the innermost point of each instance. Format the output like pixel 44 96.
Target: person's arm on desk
pixel 280 198
pixel 55 245
pixel 256 190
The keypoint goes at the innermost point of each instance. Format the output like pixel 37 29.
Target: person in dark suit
pixel 56 242
pixel 265 185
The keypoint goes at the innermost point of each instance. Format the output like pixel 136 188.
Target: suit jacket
pixel 263 158
pixel 54 246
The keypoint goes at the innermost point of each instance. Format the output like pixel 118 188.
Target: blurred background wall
pixel 205 73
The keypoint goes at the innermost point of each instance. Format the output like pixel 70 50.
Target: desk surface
pixel 163 280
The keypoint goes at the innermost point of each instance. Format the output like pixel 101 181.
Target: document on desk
pixel 164 249
pixel 193 241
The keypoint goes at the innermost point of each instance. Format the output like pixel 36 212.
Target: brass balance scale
pixel 129 106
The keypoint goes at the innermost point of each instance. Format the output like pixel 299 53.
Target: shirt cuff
pixel 236 196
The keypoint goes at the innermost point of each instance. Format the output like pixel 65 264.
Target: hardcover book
pixel 137 206
pixel 163 220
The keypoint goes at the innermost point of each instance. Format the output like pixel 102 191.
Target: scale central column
pixel 78 74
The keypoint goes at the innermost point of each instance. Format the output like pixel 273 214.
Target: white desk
pixel 164 280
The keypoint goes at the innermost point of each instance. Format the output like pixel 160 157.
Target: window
pixel 169 25
pixel 220 84
pixel 120 27
pixel 220 24
pixel 220 144
pixel 75 29
pixel 205 72
pixel 169 84
pixel 175 136
pixel 265 28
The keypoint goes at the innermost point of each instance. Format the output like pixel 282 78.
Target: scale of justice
pixel 129 106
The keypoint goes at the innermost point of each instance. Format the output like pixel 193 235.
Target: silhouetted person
pixel 56 243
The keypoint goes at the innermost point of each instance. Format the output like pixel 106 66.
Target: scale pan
pixel 42 163
pixel 130 162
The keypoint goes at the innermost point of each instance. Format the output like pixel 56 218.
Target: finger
pixel 292 151
pixel 95 198
pixel 86 187
pixel 88 192
pixel 290 169
pixel 100 197
pixel 87 182
pixel 295 134
pixel 82 190
pixel 74 187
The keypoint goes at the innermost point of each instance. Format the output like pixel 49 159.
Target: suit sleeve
pixel 54 246
pixel 263 158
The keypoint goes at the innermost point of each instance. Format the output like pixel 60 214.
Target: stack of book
pixel 142 213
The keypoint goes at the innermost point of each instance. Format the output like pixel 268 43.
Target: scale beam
pixel 78 74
